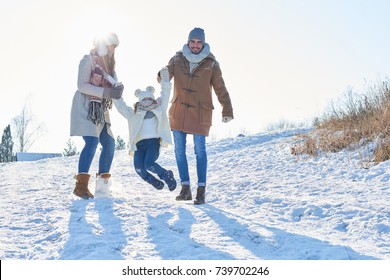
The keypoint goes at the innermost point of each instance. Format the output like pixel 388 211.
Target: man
pixel 196 72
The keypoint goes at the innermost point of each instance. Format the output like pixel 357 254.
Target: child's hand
pixel 164 74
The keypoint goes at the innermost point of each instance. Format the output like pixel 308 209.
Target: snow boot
pixel 185 193
pixel 154 182
pixel 200 196
pixel 81 189
pixel 103 183
pixel 169 179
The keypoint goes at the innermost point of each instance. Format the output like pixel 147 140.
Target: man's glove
pixel 164 74
pixel 113 93
pixel 226 119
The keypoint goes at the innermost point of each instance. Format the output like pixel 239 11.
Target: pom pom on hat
pixel 101 42
pixel 197 33
pixel 148 93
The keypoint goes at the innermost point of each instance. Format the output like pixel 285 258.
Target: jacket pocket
pixel 172 109
pixel 206 114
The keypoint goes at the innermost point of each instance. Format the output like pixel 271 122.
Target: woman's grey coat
pixel 79 124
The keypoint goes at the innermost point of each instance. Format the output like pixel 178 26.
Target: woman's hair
pixel 108 63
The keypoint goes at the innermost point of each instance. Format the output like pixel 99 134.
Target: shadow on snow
pixel 89 241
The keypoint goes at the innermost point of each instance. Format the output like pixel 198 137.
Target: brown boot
pixel 185 193
pixel 200 196
pixel 81 189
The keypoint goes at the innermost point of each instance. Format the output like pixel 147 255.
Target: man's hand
pixel 226 119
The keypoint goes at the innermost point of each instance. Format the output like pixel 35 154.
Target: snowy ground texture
pixel 262 203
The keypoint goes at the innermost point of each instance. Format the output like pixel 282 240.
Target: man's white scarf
pixel 195 58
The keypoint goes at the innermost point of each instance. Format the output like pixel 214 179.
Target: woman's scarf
pixel 195 58
pixel 97 106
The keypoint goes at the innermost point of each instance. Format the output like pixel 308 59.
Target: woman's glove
pixel 113 93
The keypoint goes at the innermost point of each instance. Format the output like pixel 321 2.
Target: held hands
pixel 114 92
pixel 226 119
pixel 164 74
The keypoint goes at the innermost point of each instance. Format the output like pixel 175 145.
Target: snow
pixel 263 203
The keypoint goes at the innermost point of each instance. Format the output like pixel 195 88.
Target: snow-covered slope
pixel 262 203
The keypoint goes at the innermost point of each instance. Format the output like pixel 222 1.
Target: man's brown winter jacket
pixel 192 106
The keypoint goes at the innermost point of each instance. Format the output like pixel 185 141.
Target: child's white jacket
pixel 135 119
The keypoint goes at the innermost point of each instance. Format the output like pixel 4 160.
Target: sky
pixel 281 60
pixel 327 212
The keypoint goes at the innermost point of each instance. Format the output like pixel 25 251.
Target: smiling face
pixel 195 46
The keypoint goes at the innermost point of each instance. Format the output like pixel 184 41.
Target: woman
pixel 97 86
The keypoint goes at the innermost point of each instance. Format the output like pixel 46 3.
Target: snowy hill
pixel 262 203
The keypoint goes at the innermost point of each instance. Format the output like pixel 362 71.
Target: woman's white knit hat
pixel 102 42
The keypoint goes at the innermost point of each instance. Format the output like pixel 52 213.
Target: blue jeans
pixel 88 152
pixel 180 139
pixel 145 157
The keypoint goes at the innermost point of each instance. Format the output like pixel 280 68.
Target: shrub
pixel 350 119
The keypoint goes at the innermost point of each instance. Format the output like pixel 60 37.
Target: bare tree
pixel 26 131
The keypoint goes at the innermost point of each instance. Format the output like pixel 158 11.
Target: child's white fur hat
pixel 141 94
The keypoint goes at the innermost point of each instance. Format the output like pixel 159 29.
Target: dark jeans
pixel 145 157
pixel 88 152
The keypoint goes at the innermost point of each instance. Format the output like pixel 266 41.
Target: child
pixel 148 130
